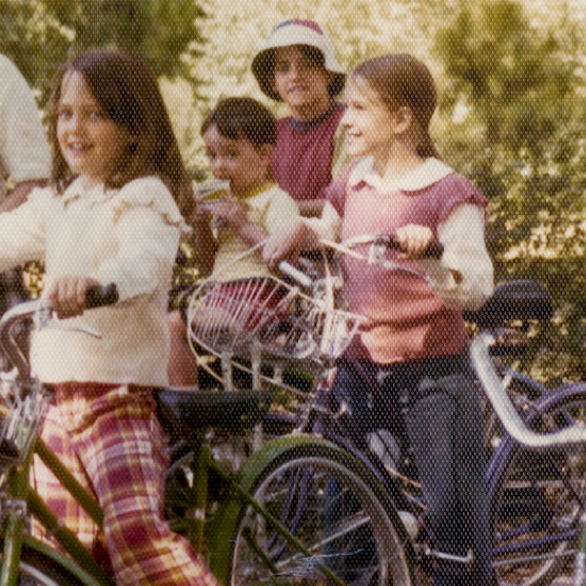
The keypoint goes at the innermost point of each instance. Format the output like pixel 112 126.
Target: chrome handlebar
pixel 505 410
pixel 40 311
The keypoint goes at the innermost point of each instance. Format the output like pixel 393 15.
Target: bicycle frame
pixel 23 500
pixel 20 501
pixel 83 566
pixel 76 559
pixel 491 382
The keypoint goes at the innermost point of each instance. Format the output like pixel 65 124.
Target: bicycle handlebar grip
pixel 434 250
pixel 99 297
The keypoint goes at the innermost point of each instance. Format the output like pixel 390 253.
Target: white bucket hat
pixel 295 32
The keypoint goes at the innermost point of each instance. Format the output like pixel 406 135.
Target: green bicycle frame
pixel 22 498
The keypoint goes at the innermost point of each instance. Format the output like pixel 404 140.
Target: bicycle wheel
pixel 537 497
pixel 37 569
pixel 336 508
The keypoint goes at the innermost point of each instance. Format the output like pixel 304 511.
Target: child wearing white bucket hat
pixel 297 65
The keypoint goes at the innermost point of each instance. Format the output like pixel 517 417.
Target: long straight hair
pixel 126 89
pixel 401 80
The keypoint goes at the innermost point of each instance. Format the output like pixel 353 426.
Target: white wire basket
pixel 267 333
pixel 267 317
pixel 22 407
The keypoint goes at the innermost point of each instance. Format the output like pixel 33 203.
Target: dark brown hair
pixel 402 80
pixel 314 55
pixel 126 89
pixel 243 118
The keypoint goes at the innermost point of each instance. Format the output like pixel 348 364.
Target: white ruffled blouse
pixel 127 236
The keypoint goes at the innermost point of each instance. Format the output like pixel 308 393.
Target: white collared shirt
pixel 461 234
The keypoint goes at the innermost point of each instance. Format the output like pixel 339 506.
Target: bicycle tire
pixel 37 569
pixel 536 497
pixel 363 542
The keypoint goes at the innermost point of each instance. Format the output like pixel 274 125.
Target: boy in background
pixel 239 135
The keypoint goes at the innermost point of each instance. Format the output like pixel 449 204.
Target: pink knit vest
pixel 406 319
pixel 303 156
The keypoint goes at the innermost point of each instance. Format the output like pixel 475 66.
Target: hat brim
pixel 263 70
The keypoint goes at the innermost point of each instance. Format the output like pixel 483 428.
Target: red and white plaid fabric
pixel 110 438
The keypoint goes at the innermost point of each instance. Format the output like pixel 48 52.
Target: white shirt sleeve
pixel 147 245
pixel 464 275
pixel 24 153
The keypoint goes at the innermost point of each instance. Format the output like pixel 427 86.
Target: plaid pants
pixel 111 440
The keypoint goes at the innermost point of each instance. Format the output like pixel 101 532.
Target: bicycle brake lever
pixel 43 319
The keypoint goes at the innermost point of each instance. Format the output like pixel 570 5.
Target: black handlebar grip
pixel 101 296
pixel 434 250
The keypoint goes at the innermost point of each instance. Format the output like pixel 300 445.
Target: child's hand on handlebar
pixel 414 239
pixel 67 295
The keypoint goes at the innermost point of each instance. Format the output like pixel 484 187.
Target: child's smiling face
pixel 368 123
pixel 91 143
pixel 237 160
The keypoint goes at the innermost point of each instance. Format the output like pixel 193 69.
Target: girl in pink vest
pixel 414 341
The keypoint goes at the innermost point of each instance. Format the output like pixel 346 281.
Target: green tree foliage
pixel 40 34
pixel 34 40
pixel 515 101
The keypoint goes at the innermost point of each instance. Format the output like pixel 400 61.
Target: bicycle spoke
pixel 336 519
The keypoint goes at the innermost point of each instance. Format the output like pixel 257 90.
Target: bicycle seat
pixel 515 300
pixel 188 412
